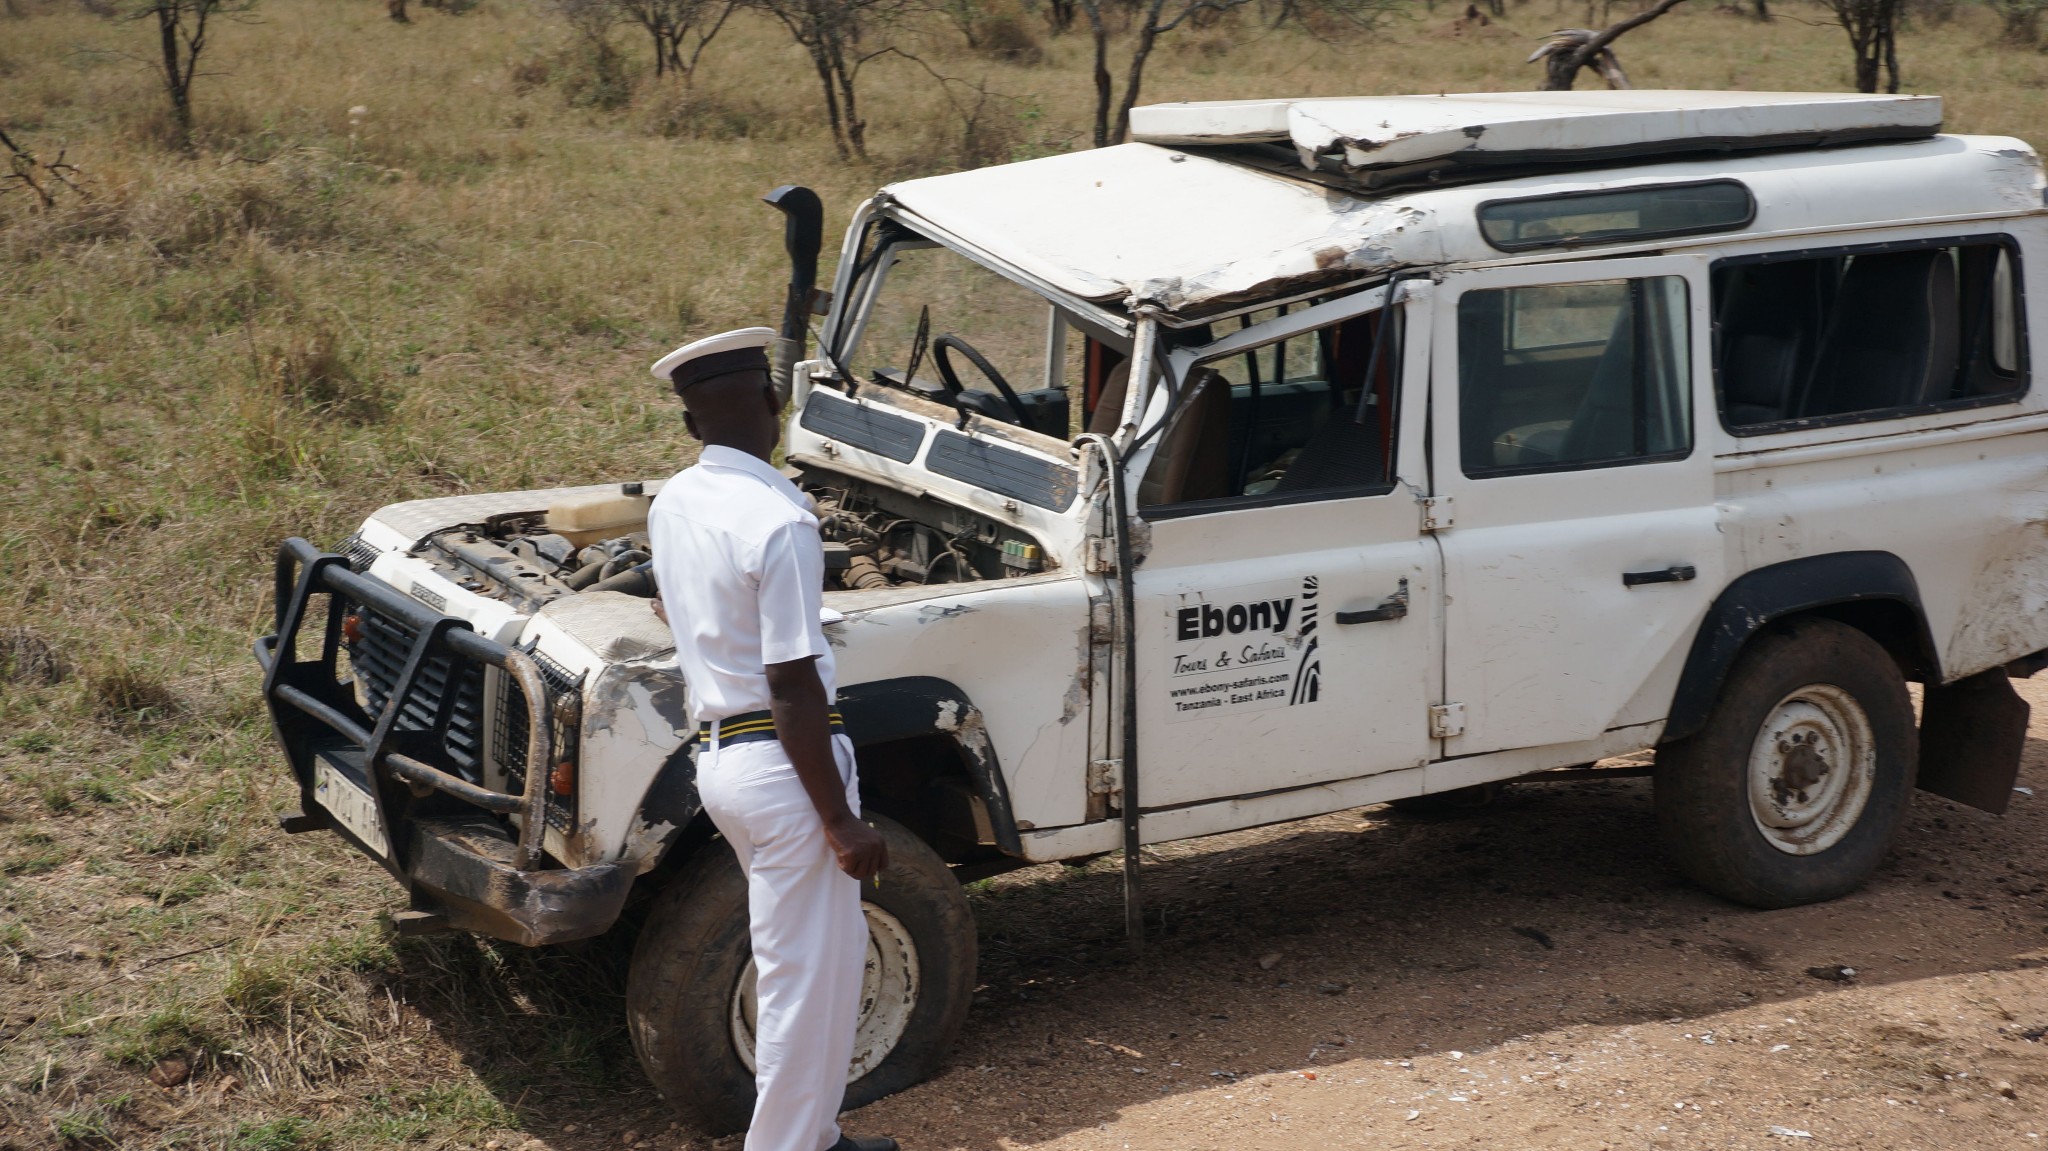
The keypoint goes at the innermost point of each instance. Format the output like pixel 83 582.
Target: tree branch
pixel 1614 32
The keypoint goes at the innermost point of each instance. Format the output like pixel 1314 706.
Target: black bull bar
pixel 442 836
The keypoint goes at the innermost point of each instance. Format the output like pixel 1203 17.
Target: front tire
pixel 689 995
pixel 1792 790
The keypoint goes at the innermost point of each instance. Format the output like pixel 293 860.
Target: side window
pixel 1864 335
pixel 1564 376
pixel 1305 417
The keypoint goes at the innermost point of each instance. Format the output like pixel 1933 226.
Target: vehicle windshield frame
pixel 883 233
pixel 859 284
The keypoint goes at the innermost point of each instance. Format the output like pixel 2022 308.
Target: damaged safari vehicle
pixel 1298 456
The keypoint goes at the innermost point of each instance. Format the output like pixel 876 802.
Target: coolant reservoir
pixel 601 515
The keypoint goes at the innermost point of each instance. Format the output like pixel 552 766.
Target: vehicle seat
pixel 1193 461
pixel 1893 339
pixel 1109 403
pixel 1766 328
pixel 1604 426
pixel 1340 453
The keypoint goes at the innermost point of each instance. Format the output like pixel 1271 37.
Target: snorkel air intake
pixel 803 232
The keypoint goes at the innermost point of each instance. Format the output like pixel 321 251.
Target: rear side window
pixel 1616 216
pixel 1558 377
pixel 1867 333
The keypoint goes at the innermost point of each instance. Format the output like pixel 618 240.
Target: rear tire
pixel 1792 790
pixel 688 996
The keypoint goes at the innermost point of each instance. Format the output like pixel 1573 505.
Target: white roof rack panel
pixel 1366 134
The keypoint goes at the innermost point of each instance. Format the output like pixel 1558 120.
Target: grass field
pixel 418 259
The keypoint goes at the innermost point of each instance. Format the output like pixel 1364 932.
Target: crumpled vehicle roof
pixel 1183 231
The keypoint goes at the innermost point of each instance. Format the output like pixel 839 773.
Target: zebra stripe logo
pixel 1308 674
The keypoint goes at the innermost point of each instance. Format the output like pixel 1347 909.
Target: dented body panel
pixel 1017 653
pixel 1379 133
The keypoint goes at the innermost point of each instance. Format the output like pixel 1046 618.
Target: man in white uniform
pixel 741 571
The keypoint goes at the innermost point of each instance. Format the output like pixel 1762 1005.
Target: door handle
pixel 1393 607
pixel 1676 573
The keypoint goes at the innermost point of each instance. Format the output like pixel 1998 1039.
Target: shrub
pixel 1004 36
pixel 127 696
pixel 27 658
pixel 594 75
pixel 529 75
pixel 312 369
pixel 296 201
pixel 167 1031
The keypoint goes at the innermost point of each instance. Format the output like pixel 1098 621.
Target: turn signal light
pixel 563 779
pixel 352 628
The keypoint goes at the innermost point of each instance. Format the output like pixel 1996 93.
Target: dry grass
pixel 415 259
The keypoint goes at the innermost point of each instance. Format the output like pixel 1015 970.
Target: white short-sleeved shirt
pixel 742 577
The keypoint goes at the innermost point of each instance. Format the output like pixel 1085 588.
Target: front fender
pixel 887 710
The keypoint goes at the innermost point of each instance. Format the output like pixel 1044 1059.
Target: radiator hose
pixel 636 580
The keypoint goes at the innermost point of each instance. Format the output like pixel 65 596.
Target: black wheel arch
pixel 923 743
pixel 1871 591
pixel 925 761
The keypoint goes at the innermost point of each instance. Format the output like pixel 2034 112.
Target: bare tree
pixel 830 32
pixel 672 23
pixel 181 27
pixel 2020 20
pixel 41 178
pixel 1873 30
pixel 592 19
pixel 1570 49
pixel 1155 18
pixel 598 79
pixel 985 138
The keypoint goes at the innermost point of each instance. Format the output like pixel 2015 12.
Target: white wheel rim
pixel 888 993
pixel 1811 769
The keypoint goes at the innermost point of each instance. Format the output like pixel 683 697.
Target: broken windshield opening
pixel 945 328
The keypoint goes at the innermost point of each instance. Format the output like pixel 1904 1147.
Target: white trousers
pixel 810 938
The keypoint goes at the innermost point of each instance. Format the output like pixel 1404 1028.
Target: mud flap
pixel 1971 735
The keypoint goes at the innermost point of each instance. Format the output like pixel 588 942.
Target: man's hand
pixel 803 723
pixel 860 849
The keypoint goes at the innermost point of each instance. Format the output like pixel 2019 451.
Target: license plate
pixel 346 800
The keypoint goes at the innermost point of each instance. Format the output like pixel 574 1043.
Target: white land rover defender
pixel 1318 453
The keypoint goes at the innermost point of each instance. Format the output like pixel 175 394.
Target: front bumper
pixel 412 805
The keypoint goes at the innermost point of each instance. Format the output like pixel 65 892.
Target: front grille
pixel 360 555
pixel 510 731
pixel 379 656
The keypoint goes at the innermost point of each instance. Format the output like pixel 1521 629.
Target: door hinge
pixel 1446 720
pixel 1438 513
pixel 1106 777
pixel 1100 556
pixel 1101 622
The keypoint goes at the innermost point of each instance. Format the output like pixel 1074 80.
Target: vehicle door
pixel 1581 550
pixel 1286 631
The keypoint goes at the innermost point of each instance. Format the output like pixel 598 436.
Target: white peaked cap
pixel 734 341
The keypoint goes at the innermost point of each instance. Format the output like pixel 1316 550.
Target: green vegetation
pixel 407 259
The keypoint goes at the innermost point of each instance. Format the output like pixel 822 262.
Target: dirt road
pixel 1533 975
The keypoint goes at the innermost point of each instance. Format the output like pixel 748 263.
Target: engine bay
pixel 874 536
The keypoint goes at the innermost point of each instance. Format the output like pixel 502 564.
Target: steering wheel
pixel 948 342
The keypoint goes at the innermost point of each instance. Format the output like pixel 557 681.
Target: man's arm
pixel 803 723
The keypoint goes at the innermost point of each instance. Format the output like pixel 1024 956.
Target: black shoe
pixel 863 1143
